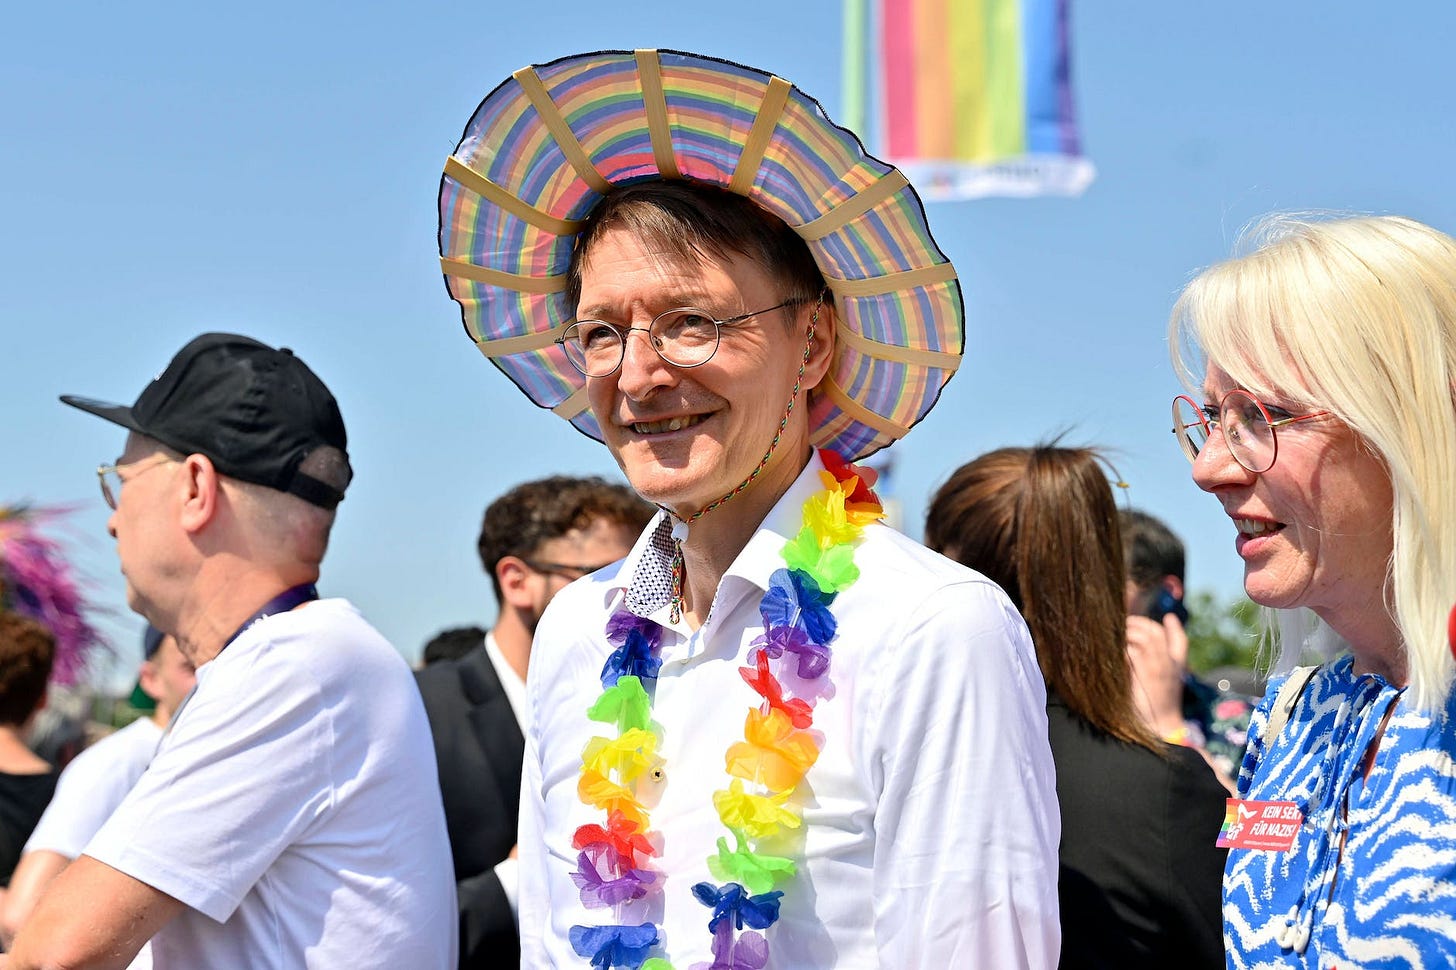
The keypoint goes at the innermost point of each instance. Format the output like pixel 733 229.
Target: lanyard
pixel 282 603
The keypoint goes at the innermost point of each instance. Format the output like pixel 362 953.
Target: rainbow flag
pixel 969 98
pixel 1231 823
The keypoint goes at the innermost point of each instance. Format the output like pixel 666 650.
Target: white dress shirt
pixel 930 818
pixel 508 870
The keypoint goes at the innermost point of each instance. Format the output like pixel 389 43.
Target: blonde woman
pixel 1321 366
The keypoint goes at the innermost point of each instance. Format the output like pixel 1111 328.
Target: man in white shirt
pixel 95 782
pixel 534 539
pixel 779 733
pixel 291 816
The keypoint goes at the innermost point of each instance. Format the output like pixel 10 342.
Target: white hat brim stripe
pixel 484 187
pixel 654 101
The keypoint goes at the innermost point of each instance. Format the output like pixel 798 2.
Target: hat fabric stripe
pixel 491 192
pixel 505 346
pixel 893 282
pixel 543 147
pixel 511 281
pixel 573 405
pixel 560 130
pixel 854 207
pixel 858 413
pixel 745 173
pixel 905 355
pixel 655 103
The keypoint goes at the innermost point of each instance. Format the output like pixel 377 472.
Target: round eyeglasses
pixel 108 472
pixel 1247 425
pixel 685 337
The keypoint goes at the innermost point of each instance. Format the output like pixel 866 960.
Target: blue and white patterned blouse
pixel 1370 882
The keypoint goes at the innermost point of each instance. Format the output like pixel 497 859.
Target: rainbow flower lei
pixel 614 862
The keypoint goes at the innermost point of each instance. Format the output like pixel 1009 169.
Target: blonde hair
pixel 1359 315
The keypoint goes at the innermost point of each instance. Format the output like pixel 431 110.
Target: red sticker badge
pixel 1451 631
pixel 1259 825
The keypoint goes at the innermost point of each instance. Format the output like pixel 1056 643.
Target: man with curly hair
pixel 535 539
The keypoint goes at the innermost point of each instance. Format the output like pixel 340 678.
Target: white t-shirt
pixel 508 869
pixel 89 790
pixel 92 786
pixel 294 807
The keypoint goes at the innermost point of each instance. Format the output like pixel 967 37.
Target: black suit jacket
pixel 479 749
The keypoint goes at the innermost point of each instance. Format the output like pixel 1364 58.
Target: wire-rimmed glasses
pixel 685 337
pixel 1247 424
pixel 106 472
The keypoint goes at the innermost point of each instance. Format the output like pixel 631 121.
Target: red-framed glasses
pixel 1248 427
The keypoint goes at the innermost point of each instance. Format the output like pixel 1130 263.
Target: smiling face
pixel 1315 530
pixel 685 437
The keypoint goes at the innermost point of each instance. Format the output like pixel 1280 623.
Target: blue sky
pixel 271 168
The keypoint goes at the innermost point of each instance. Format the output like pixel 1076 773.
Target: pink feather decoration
pixel 36 581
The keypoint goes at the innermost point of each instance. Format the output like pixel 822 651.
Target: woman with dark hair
pixel 26 780
pixel 1139 869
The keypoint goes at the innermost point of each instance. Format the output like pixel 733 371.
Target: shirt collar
pixel 644 583
pixel 511 683
pixel 764 552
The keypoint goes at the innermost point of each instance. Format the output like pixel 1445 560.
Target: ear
pixel 822 354
pixel 199 486
pixel 514 577
pixel 147 676
pixel 1174 586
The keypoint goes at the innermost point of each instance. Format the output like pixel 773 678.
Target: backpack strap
pixel 1284 701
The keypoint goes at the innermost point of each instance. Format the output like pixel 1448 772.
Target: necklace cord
pixel 679 569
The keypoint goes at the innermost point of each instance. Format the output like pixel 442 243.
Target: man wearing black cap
pixel 292 811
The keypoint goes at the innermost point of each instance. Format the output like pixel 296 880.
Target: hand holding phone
pixel 1165 603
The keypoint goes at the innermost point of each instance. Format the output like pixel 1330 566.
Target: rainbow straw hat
pixel 548 144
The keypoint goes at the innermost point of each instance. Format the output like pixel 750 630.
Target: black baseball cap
pixel 256 412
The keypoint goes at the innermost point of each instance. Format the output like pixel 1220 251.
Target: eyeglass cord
pixel 678 567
